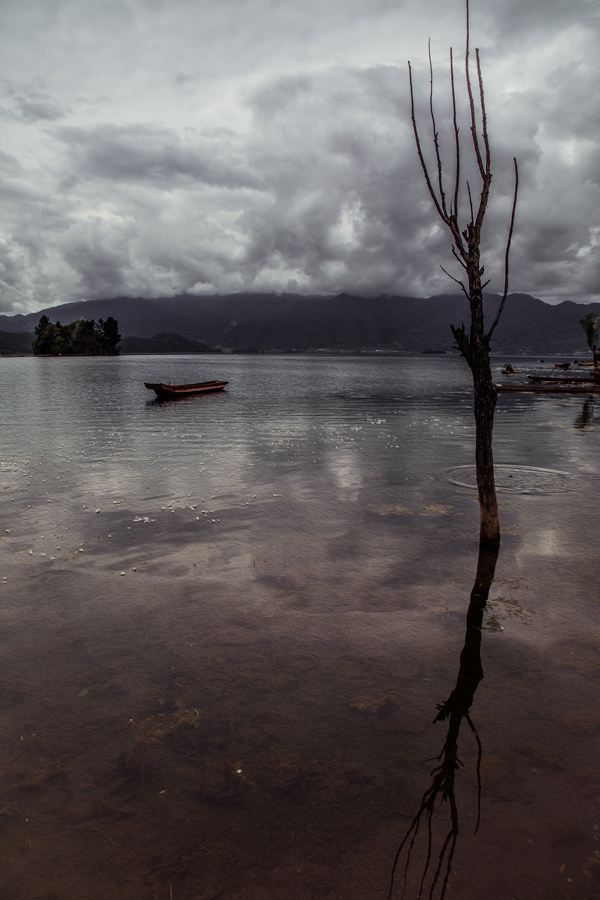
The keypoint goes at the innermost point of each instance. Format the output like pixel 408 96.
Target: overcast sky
pixel 214 146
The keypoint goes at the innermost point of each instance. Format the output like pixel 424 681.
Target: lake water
pixel 228 623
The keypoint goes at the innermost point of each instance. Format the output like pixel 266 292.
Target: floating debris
pixel 379 705
pixel 390 510
pixel 436 510
pixel 155 728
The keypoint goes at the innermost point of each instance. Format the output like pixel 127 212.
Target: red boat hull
pixel 175 391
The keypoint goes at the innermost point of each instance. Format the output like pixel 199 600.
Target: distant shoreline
pixel 351 354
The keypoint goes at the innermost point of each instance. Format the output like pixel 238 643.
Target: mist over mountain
pixel 290 322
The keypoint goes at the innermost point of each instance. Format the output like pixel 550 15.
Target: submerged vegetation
pixel 80 338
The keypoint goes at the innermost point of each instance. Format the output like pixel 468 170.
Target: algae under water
pixel 228 622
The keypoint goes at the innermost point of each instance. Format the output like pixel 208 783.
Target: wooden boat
pixel 561 365
pixel 175 391
pixel 559 388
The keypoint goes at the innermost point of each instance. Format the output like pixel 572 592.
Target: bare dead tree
pixel 466 249
pixel 435 873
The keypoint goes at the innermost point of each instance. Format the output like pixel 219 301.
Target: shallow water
pixel 228 621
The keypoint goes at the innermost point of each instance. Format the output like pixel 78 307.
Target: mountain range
pixel 294 323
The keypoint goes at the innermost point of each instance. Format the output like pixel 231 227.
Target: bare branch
pixel 470 202
pixel 457 257
pixel 483 116
pixel 436 142
pixel 465 291
pixel 432 193
pixel 454 208
pixel 487 175
pixel 507 252
pixel 472 102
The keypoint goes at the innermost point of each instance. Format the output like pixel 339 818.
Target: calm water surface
pixel 228 623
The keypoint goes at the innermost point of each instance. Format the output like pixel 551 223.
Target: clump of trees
pixel 80 338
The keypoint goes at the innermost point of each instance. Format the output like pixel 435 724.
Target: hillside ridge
pixel 340 323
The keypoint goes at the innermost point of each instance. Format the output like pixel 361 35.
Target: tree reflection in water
pixel 454 710
pixel 586 416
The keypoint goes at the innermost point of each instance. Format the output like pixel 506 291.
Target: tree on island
pixel 41 325
pixel 81 338
pixel 589 323
pixel 109 335
pixel 466 249
pixel 50 338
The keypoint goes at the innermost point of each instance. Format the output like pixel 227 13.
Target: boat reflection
pixel 438 861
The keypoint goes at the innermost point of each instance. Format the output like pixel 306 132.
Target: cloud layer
pixel 152 149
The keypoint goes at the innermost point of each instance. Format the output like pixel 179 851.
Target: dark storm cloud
pixel 347 205
pixel 150 153
pixel 325 151
pixel 214 147
pixel 99 261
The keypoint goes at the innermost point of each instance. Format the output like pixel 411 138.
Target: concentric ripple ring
pixel 516 479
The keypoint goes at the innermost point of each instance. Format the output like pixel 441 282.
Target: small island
pixel 81 338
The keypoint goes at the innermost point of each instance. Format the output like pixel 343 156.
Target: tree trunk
pixel 475 347
pixel 485 396
pixel 485 402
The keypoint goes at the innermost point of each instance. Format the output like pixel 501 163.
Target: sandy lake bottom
pixel 227 624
